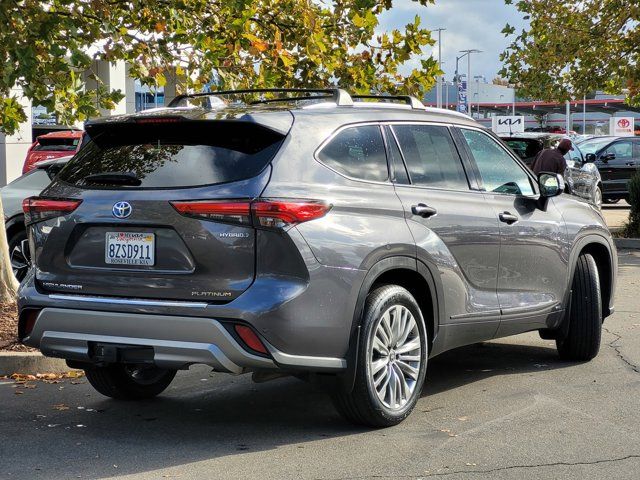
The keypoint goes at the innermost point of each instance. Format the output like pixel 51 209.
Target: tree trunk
pixel 8 283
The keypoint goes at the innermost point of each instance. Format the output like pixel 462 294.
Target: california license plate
pixel 129 248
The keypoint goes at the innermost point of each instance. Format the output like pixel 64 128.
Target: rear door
pixel 450 221
pixel 135 230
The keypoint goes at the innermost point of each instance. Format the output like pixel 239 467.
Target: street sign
pixel 622 126
pixel 507 124
pixel 462 96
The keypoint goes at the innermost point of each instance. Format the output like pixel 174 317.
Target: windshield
pixel 595 144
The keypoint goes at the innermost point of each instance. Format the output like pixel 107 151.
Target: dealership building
pixel 590 116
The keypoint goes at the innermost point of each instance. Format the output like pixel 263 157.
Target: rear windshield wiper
pixel 113 178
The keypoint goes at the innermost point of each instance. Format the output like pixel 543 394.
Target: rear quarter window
pixel 357 152
pixel 174 155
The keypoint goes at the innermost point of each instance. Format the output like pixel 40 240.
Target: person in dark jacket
pixel 552 159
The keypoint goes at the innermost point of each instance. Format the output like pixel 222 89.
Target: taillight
pixel 227 211
pixel 37 209
pixel 278 213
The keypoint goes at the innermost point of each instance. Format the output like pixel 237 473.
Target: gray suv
pixel 338 238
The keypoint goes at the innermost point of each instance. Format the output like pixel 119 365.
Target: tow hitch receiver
pixel 115 353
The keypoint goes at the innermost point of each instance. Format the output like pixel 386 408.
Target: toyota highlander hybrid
pixel 341 239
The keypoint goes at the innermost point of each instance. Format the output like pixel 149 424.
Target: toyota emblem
pixel 121 209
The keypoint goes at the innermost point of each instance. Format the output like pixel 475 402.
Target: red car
pixel 52 145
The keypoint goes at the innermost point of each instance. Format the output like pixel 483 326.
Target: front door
pixel 532 268
pixel 617 164
pixel 452 225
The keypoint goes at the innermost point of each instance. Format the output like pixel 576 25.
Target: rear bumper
pixel 177 341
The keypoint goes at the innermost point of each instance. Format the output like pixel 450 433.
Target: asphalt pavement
pixel 503 409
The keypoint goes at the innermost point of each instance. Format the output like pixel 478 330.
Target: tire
pixel 387 306
pixel 597 197
pixel 119 381
pixel 19 262
pixel 610 201
pixel 582 340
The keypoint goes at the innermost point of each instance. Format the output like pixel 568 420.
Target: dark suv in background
pixel 335 238
pixel 618 159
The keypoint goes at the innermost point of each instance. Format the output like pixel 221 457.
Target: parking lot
pixel 508 408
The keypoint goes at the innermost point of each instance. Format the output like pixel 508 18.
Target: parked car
pixel 27 185
pixel 581 175
pixel 52 145
pixel 618 159
pixel 340 240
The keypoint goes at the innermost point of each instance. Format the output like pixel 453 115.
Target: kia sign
pixel 504 125
pixel 621 126
pixel 462 97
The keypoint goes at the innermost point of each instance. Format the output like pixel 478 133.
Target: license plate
pixel 129 248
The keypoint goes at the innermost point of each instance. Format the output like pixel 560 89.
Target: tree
pixel 45 47
pixel 572 48
pixel 8 282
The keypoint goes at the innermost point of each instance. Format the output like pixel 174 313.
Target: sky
pixel 469 24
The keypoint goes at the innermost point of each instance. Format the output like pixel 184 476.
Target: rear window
pixel 172 155
pixel 57 144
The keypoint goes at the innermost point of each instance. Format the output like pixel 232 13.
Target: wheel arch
pixel 601 251
pixel 406 272
pixel 14 225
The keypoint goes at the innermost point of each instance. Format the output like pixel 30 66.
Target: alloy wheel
pixel 19 262
pixel 395 357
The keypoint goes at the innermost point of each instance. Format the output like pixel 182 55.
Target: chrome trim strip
pixel 288 360
pixel 127 301
pixel 489 314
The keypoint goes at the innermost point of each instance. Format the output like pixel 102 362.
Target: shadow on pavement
pixel 477 362
pixel 203 417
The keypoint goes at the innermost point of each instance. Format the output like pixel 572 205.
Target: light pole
pixel 468 54
pixel 439 82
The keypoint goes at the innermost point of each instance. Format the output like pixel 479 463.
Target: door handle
pixel 507 218
pixel 423 210
pixel 630 164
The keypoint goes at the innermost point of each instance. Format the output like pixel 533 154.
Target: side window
pixel 636 150
pixel 622 150
pixel 357 152
pixel 499 171
pixel 431 157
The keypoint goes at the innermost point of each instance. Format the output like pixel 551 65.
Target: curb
pixel 30 363
pixel 627 243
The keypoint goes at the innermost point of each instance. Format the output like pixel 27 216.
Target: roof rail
pixel 455 113
pixel 407 99
pixel 338 95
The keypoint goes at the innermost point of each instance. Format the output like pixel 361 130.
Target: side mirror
pixel 590 158
pixel 551 184
pixel 607 157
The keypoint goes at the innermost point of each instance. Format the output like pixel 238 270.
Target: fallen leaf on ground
pixel 60 407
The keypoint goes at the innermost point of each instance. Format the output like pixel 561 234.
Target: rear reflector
pixel 37 209
pixel 26 322
pixel 250 338
pixel 277 213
